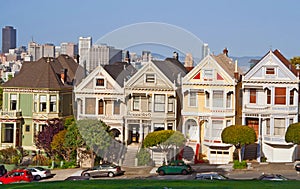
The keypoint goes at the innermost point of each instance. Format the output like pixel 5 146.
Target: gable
pixel 270 68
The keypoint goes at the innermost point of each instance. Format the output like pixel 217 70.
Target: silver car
pixel 109 170
pixel 210 176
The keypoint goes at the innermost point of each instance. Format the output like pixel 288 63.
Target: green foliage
pixel 95 133
pixel 40 159
pixel 69 164
pixel 238 135
pixel 164 139
pixel 144 157
pixel 295 60
pixel 10 156
pixel 239 165
pixel 293 133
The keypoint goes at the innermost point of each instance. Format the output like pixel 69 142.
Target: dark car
pixel 175 167
pixel 210 176
pixel 15 176
pixel 274 177
pixel 109 170
pixel 297 167
pixel 3 171
pixel 73 178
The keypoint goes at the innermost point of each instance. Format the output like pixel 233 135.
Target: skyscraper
pixel 9 39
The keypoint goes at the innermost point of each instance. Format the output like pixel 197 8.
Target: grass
pixel 147 184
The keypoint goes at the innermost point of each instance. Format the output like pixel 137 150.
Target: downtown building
pixel 9 38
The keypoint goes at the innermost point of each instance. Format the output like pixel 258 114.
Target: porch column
pixel 259 150
pixel 15 134
pixel 126 133
pixel 141 131
pixel 0 134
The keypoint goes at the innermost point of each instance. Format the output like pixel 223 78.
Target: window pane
pixel 193 99
pixel 159 103
pixel 117 107
pixel 150 78
pixel 279 126
pixel 252 95
pixel 218 99
pixel 217 126
pixel 136 103
pixel 280 94
pixel 268 96
pixel 90 105
pixel 228 100
pixel 100 107
pixel 171 104
pixel 292 97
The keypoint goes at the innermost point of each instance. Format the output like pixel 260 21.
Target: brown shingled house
pixel 41 91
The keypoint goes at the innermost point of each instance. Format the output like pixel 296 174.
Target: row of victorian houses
pixel 161 95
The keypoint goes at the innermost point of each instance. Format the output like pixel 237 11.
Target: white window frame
pixel 104 82
pixel 150 78
pixel 193 101
pixel 208 74
pixel 214 99
pixel 158 105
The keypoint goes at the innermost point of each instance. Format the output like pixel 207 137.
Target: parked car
pixel 275 177
pixel 175 167
pixel 110 170
pixel 3 171
pixel 39 172
pixel 297 167
pixel 20 175
pixel 210 176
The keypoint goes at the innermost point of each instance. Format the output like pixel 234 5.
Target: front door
pixel 134 134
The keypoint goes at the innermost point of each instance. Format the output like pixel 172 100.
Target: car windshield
pixel 40 168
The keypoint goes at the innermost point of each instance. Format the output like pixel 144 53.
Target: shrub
pixel 144 157
pixel 69 164
pixel 239 165
pixel 40 159
pixel 10 156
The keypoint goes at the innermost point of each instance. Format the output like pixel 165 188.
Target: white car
pixel 39 172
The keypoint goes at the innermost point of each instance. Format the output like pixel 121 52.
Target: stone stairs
pixel 130 156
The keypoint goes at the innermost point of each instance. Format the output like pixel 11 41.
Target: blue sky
pixel 246 28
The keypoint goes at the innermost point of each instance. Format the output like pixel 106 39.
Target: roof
pixel 120 71
pixel 171 68
pixel 227 64
pixel 45 73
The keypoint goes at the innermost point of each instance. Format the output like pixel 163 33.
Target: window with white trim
pixel 13 101
pixel 43 103
pixel 192 99
pixel 149 103
pixel 159 103
pixel 53 103
pixel 228 100
pixel 206 99
pixel 279 126
pixel 136 103
pixel 217 127
pixel 218 99
pixel 171 102
pixel 150 78
pixel 100 82
pixel 208 75
pixel 117 105
pixel 268 126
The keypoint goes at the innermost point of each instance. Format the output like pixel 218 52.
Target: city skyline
pixel 245 28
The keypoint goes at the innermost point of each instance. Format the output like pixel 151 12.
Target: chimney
pixel 236 73
pixel 225 51
pixel 63 75
pixel 175 55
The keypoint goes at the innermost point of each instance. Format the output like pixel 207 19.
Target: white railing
pixel 10 114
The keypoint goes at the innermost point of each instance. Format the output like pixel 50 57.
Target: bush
pixel 69 164
pixel 239 165
pixel 144 157
pixel 40 159
pixel 10 156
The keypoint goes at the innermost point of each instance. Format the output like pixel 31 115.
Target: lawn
pixel 164 184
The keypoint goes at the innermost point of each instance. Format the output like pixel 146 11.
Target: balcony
pixel 249 108
pixel 275 140
pixel 11 114
pixel 140 114
pixel 45 115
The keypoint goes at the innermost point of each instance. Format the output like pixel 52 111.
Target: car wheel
pixel 86 175
pixel 1 183
pixel 37 177
pixel 110 174
pixel 161 172
pixel 184 172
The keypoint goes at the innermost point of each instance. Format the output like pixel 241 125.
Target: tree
pixel 164 140
pixel 44 138
pixel 293 133
pixel 238 135
pixel 295 60
pixel 95 134
pixel 58 145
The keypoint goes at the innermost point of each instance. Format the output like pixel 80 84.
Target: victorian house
pixel 101 96
pixel 153 99
pixel 270 105
pixel 209 105
pixel 40 92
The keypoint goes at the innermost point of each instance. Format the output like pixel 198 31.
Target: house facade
pixel 153 97
pixel 270 104
pixel 40 92
pixel 101 96
pixel 209 105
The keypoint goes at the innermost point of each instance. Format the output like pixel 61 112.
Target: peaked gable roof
pixel 45 73
pixel 120 71
pixel 227 64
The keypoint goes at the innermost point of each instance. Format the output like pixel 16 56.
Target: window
pixel 8 134
pixel 13 102
pixel 268 126
pixel 208 75
pixel 193 99
pixel 27 128
pixel 171 104
pixel 159 103
pixel 292 97
pixel 253 96
pixel 218 99
pixel 150 78
pixel 90 105
pixel 159 126
pixel 291 121
pixel 268 96
pixel 279 126
pixel 35 103
pixel 42 127
pixel 206 99
pixel 170 126
pixel 136 103
pixel 100 82
pixel 43 103
pixel 270 71
pixel 53 103
pixel 217 126
pixel 150 104
pixel 117 104
pixel 228 123
pixel 280 95
pixel 228 100
pixel 100 107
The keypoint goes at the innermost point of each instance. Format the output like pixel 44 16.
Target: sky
pixel 245 27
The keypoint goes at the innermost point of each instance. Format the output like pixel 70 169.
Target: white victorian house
pixel 209 105
pixel 270 105
pixel 152 99
pixel 101 96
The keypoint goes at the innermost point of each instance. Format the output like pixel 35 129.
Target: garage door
pixel 219 157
